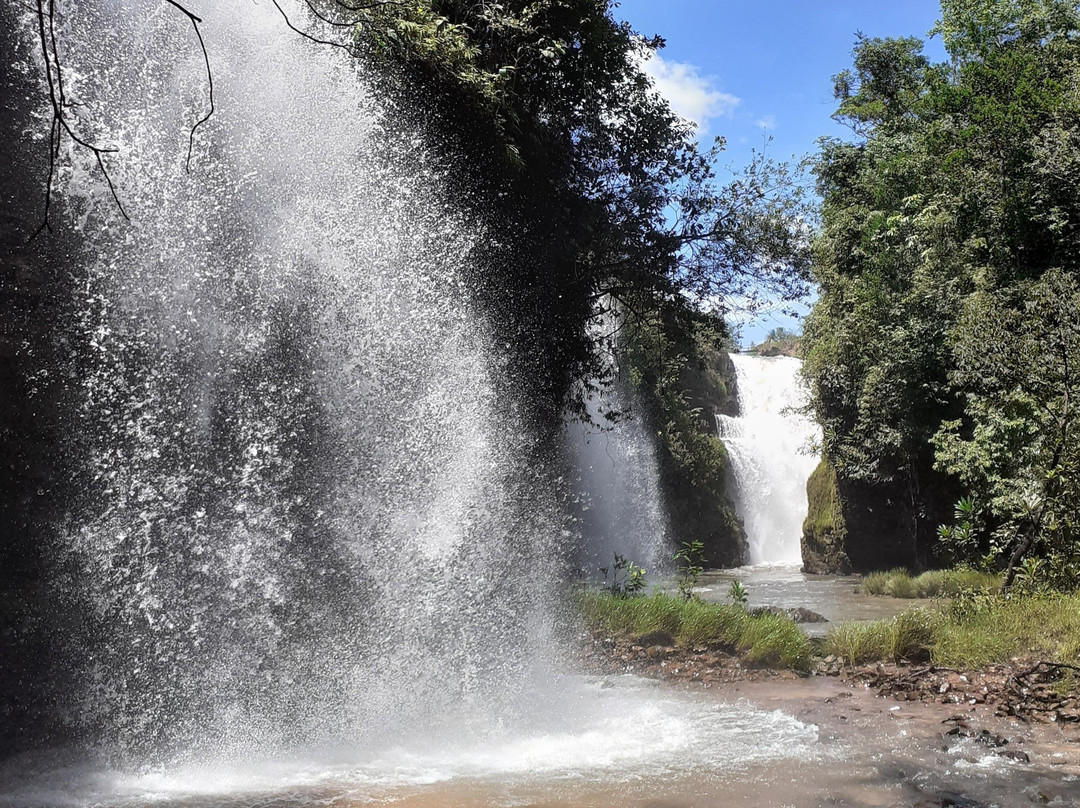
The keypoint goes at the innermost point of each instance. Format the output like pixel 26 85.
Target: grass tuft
pixel 765 639
pixel 975 632
pixel 899 583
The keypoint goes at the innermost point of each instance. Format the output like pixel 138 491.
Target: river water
pixel 838 598
pixel 634 743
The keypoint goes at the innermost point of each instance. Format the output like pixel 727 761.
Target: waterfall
pixel 767 444
pixel 621 510
pixel 301 518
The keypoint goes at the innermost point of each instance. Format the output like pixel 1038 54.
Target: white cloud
pixel 691 95
pixel 767 122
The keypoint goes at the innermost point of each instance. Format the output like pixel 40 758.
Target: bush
pixel 855 643
pixel 975 630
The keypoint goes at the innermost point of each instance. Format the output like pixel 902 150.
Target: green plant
pixel 960 539
pixel 627 578
pixel 737 593
pixel 767 639
pixel 689 558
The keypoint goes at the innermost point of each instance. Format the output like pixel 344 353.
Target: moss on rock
pixel 824 530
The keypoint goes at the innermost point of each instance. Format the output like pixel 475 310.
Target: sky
pixel 753 70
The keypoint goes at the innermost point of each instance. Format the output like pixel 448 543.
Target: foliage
pixel 899 583
pixel 975 630
pixel 688 559
pixel 779 341
pixel 939 352
pixel 627 578
pixel 568 145
pixel 960 539
pixel 737 594
pixel 765 639
pixel 1017 351
pixel 673 364
pixel 824 529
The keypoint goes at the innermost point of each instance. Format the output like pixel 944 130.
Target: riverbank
pixel 926 736
pixel 1018 655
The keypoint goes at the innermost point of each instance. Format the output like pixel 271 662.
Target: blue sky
pixel 761 69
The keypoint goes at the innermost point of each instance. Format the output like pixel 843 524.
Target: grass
pixel 899 583
pixel 977 631
pixel 765 639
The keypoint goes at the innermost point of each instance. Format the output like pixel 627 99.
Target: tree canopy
pixel 940 351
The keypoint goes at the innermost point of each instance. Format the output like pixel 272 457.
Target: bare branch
pixel 58 101
pixel 305 34
pixel 209 77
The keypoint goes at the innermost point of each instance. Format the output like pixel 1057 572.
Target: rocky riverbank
pixel 1031 690
pixel 919 736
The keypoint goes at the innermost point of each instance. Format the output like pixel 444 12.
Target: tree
pixel 1018 360
pixel 952 210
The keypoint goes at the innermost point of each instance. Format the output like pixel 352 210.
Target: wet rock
pixel 948 801
pixel 1015 754
pixel 804 615
pixel 759 611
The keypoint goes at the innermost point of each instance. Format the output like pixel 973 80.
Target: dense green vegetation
pixel 972 632
pixel 554 133
pixel 678 369
pixel 764 638
pixel 557 134
pixel 778 341
pixel 942 351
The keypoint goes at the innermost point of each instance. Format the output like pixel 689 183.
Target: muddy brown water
pixel 779 744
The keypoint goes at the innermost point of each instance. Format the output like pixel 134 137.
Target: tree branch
pixel 58 101
pixel 209 77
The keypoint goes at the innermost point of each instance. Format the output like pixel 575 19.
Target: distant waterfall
pixel 767 444
pixel 620 484
pixel 621 507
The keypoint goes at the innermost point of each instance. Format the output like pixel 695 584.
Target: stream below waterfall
pixel 632 742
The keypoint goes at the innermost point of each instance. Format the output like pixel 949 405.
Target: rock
pixel 1015 754
pixel 654 638
pixel 804 615
pixel 758 611
pixel 948 801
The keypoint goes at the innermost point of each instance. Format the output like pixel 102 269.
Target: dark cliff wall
pixel 695 471
pixel 857 527
pixel 29 398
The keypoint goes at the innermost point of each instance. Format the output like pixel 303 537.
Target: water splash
pixel 768 446
pixel 298 521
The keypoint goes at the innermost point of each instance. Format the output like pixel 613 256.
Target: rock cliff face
pixel 855 527
pixel 695 478
pixel 30 298
pixel 824 531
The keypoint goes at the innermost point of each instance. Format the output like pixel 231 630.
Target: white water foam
pixel 614 730
pixel 768 444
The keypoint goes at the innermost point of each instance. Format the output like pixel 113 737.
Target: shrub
pixel 975 630
pixel 899 583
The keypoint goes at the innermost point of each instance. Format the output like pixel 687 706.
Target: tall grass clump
pixel 766 639
pixel 982 631
pixel 973 631
pixel 899 583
